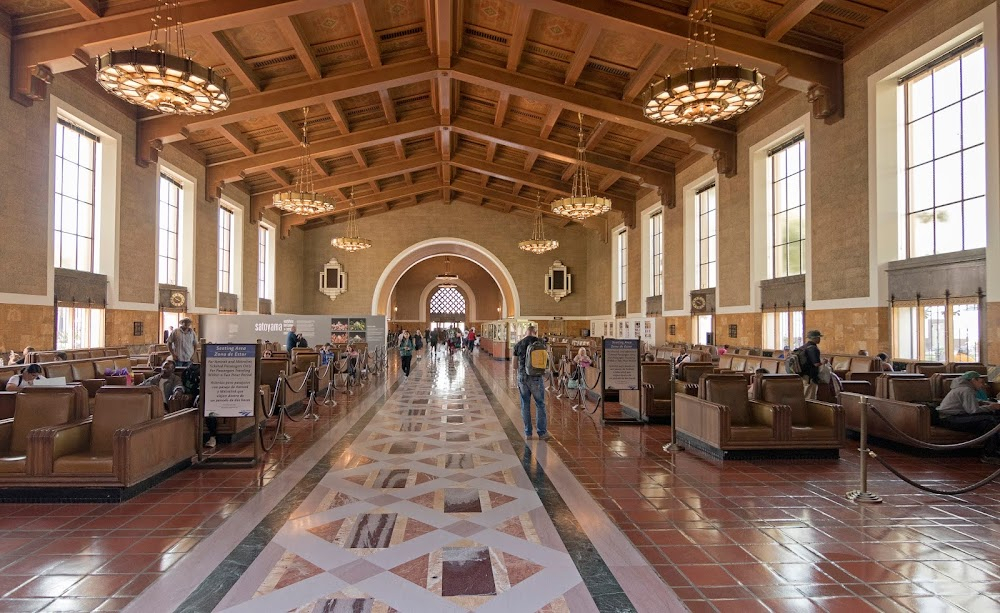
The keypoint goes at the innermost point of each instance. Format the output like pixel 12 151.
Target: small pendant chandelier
pixel 353 241
pixel 448 277
pixel 302 198
pixel 581 204
pixel 707 93
pixel 162 76
pixel 538 243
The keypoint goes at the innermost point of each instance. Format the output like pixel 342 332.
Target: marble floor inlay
pixel 429 509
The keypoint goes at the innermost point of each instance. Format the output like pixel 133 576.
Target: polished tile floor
pixel 748 536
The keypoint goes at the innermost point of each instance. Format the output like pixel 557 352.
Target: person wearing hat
pixel 183 343
pixel 810 365
pixel 962 410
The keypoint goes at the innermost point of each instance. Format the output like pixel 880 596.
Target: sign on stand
pixel 229 388
pixel 620 370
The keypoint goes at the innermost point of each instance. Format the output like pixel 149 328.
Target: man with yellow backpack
pixel 531 357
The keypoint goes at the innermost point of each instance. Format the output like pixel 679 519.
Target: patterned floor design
pixel 429 510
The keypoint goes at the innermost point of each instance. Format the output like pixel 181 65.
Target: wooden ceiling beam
pixel 444 16
pixel 283 178
pixel 511 201
pixel 550 120
pixel 344 180
pixel 502 104
pixel 231 56
pixel 513 175
pixel 598 134
pixel 400 148
pixel 581 54
pixel 645 72
pixel 646 146
pixel 558 151
pixel 569 172
pixel 234 170
pixel 337 115
pixel 609 179
pixel 522 20
pixel 289 129
pixel 366 202
pixel 296 37
pixel 387 104
pixel 233 134
pixel 591 104
pixel 491 150
pixel 445 98
pixel 529 161
pixel 169 128
pixel 359 158
pixel 788 17
pixel 367 33
pixel 88 9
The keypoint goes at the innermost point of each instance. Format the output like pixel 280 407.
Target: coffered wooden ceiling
pixel 455 100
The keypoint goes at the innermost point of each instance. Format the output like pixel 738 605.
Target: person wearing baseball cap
pixel 963 410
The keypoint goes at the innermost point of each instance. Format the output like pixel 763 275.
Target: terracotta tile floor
pixel 779 535
pixel 736 535
pixel 98 557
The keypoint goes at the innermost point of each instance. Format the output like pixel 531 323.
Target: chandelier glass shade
pixel 302 198
pixel 704 93
pixel 162 76
pixel 538 244
pixel 581 204
pixel 353 241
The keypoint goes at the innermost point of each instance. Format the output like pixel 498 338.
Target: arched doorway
pixel 446 246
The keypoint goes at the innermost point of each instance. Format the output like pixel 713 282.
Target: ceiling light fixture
pixel 353 241
pixel 162 76
pixel 706 93
pixel 302 198
pixel 538 243
pixel 448 277
pixel 581 204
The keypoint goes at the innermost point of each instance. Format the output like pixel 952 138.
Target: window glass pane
pixel 934 333
pixel 795 258
pixel 921 141
pixel 921 187
pixel 948 232
pixel 965 333
pixel 974 120
pixel 919 96
pixel 948 130
pixel 973 72
pixel 947 187
pixel 947 81
pixel 921 234
pixel 974 172
pixel 975 229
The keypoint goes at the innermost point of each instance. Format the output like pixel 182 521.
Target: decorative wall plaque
pixel 333 279
pixel 558 281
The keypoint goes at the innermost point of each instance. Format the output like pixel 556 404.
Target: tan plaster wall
pixel 848 330
pixel 598 274
pixel 748 329
pixel 24 325
pixel 406 296
pixel 118 327
pixel 993 332
pixel 682 332
pixel 394 232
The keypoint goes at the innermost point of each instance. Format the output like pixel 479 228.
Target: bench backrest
pixel 731 392
pixel 787 390
pixel 39 407
pixel 910 389
pixel 117 407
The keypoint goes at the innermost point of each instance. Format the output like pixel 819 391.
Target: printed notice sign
pixel 230 380
pixel 621 363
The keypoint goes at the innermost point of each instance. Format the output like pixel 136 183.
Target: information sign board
pixel 230 380
pixel 621 363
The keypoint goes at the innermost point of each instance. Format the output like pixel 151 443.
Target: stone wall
pixel 119 326
pixel 848 330
pixel 23 325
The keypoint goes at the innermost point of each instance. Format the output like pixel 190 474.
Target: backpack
pixel 418 343
pixel 191 379
pixel 794 363
pixel 536 359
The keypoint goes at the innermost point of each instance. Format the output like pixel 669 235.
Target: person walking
pixel 531 384
pixel 810 363
pixel 405 352
pixel 183 343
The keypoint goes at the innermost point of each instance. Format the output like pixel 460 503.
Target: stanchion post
pixel 862 495
pixel 313 382
pixel 282 435
pixel 673 446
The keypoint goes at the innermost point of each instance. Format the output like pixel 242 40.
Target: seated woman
pixel 886 362
pixel 26 378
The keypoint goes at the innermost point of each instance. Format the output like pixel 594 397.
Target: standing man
pixel 531 385
pixel 405 352
pixel 810 364
pixel 183 343
pixel 292 340
pixel 167 333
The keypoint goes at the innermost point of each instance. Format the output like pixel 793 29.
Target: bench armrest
pixel 769 414
pixel 53 442
pixel 826 414
pixel 145 449
pixel 6 432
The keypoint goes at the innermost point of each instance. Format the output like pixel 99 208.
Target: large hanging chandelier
pixel 581 204
pixel 707 93
pixel 162 76
pixel 302 198
pixel 353 241
pixel 538 243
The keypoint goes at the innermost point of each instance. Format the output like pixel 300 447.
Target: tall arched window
pixel 448 301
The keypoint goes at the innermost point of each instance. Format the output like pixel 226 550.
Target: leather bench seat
pixel 36 408
pixel 813 422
